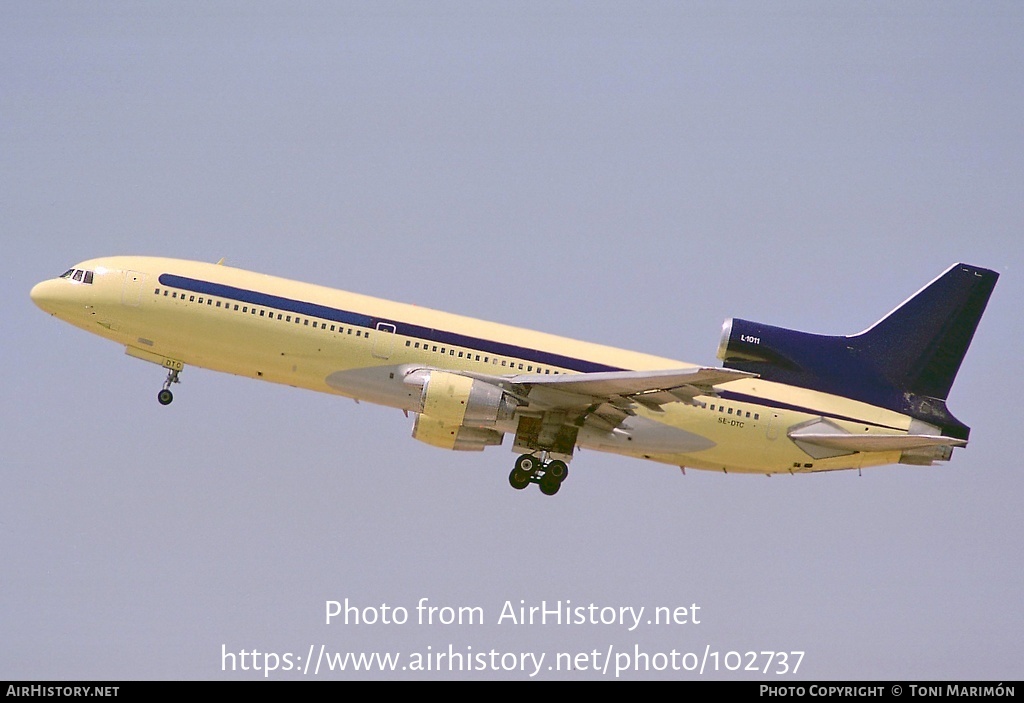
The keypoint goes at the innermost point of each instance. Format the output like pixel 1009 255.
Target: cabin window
pixel 306 322
pixel 359 333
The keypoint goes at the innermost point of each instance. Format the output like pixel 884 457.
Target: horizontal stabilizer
pixel 877 442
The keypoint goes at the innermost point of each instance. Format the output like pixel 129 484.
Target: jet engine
pixel 442 434
pixel 457 412
pixel 459 400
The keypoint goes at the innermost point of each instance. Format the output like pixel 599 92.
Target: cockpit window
pixel 80 275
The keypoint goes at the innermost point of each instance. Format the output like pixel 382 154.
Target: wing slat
pixel 632 383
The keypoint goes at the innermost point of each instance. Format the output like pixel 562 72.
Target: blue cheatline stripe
pixel 405 329
pixel 268 301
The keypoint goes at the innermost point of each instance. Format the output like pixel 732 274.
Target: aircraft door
pixel 384 340
pixel 773 426
pixel 131 293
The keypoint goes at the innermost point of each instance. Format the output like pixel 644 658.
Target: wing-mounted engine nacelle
pixel 461 401
pixel 442 434
pixel 457 412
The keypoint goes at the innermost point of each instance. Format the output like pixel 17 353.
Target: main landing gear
pixel 164 397
pixel 530 469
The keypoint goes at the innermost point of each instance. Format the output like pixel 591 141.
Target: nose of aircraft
pixel 46 295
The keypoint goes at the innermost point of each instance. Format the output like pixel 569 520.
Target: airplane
pixel 783 401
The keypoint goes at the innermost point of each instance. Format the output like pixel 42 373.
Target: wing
pixel 683 383
pixel 607 398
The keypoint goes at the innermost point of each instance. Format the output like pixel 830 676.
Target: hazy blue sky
pixel 630 174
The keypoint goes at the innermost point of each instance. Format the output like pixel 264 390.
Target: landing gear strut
pixel 531 469
pixel 164 397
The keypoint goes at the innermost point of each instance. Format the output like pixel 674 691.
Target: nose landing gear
pixel 531 469
pixel 164 397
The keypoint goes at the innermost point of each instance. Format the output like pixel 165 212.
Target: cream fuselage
pixel 176 312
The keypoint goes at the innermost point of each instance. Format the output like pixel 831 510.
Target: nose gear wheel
pixel 164 397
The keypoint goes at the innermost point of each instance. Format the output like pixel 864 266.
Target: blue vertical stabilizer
pixel 906 361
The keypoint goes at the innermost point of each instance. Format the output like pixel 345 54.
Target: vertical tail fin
pixel 919 346
pixel 906 361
